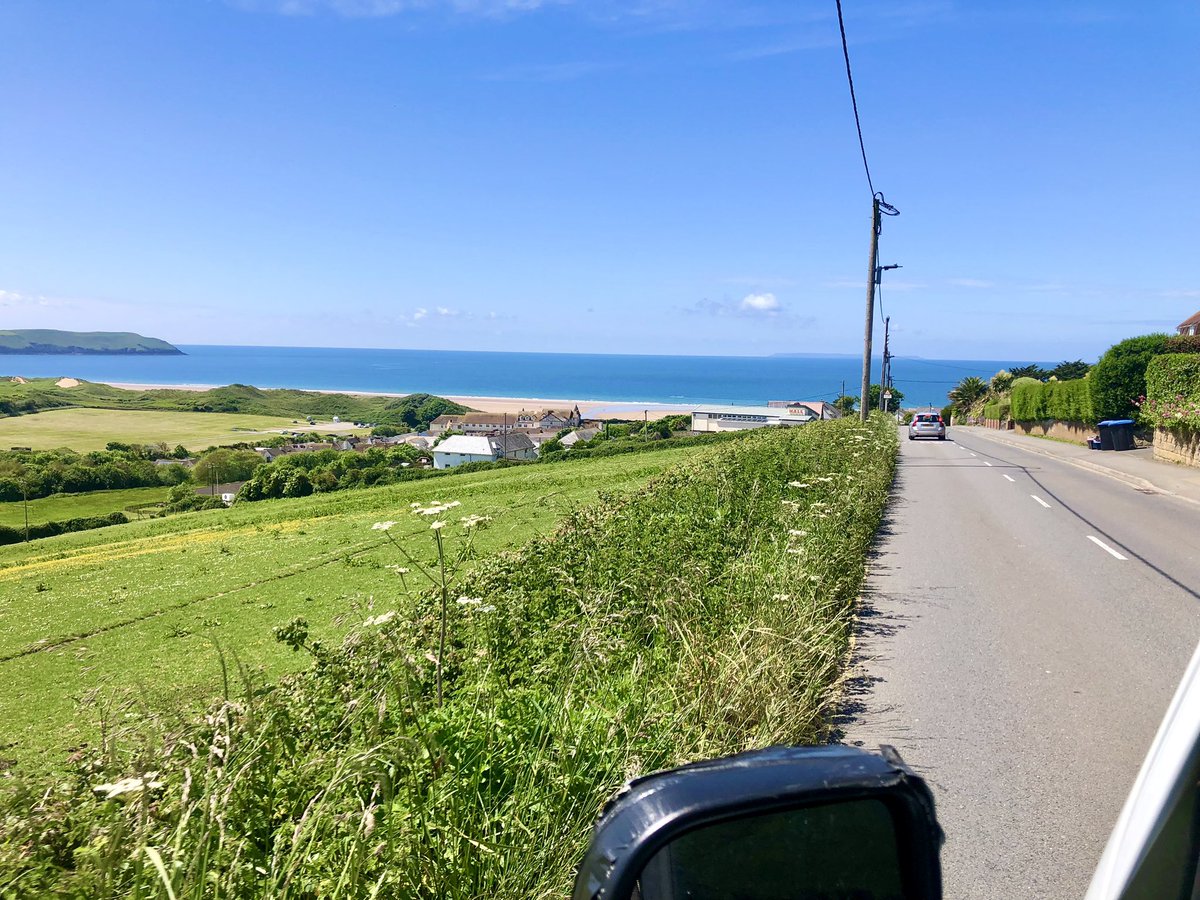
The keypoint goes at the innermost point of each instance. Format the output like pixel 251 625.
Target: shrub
pixel 1173 392
pixel 1028 400
pixel 1182 343
pixel 998 410
pixel 1119 378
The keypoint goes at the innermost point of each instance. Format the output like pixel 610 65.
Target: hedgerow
pixel 461 748
pixel 10 535
pixel 1173 392
pixel 1065 401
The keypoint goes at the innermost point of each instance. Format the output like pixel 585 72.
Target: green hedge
pixel 1065 401
pixel 998 410
pixel 1173 392
pixel 49 529
pixel 1119 378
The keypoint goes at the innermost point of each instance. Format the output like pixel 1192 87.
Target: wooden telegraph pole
pixel 864 398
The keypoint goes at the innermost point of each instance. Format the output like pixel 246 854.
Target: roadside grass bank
pixel 97 625
pixel 461 740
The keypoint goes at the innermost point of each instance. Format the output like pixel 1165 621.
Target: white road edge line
pixel 1040 500
pixel 1103 546
pixel 1010 478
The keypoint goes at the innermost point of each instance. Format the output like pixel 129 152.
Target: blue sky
pixel 643 176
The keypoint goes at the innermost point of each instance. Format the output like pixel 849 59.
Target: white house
pixel 737 418
pixel 465 448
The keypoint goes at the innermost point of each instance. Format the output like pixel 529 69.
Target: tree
pixel 967 392
pixel 221 466
pixel 1068 371
pixel 1030 371
pixel 893 404
pixel 846 404
pixel 1119 378
pixel 1002 381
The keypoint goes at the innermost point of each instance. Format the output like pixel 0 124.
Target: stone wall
pixel 1076 432
pixel 1175 445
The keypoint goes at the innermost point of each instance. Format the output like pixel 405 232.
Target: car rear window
pixel 928 418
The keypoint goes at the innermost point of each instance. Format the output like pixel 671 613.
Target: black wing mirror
pixel 787 822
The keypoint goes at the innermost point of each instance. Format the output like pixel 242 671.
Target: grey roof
pixel 508 443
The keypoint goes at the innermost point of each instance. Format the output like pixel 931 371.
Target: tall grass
pixel 706 614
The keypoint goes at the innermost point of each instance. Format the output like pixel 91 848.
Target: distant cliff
pixel 44 340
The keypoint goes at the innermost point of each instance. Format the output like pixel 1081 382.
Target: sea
pixel 660 380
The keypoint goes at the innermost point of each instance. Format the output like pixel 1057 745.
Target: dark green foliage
pixel 893 404
pixel 224 465
pixel 49 529
pixel 1069 371
pixel 40 473
pixel 1119 379
pixel 967 393
pixel 947 413
pixel 1182 343
pixel 1030 371
pixel 1173 392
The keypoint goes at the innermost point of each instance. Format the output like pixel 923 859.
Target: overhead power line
pixel 853 100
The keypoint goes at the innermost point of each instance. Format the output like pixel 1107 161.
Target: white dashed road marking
pixel 1103 546
pixel 1040 500
pixel 1010 478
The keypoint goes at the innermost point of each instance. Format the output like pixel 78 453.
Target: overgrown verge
pixel 461 746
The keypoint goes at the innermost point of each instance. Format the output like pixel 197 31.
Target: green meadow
pixel 60 507
pixel 86 429
pixel 160 613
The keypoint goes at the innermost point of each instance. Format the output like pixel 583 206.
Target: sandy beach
pixel 589 409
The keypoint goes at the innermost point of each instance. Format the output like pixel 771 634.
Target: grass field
pixel 60 507
pixel 140 610
pixel 91 429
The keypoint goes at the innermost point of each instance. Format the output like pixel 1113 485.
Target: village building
pixel 459 449
pixel 1189 326
pixel 737 418
pixel 498 423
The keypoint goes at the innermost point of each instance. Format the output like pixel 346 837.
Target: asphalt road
pixel 1024 627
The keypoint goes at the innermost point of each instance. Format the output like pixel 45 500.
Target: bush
pixel 1173 392
pixel 1118 380
pixel 1182 343
pixel 998 410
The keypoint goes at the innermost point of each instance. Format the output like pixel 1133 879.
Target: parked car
pixel 841 822
pixel 927 425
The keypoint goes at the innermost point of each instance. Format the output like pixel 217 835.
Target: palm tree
pixel 964 395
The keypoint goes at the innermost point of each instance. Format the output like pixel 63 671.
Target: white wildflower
pixel 469 601
pixel 794 550
pixel 437 526
pixel 488 608
pixel 781 596
pixel 799 484
pixel 128 785
pixel 796 532
pixel 382 526
pixel 472 521
pixel 399 570
pixel 381 619
pixel 416 504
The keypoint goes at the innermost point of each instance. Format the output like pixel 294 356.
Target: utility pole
pixel 883 376
pixel 879 206
pixel 872 274
pixel 25 501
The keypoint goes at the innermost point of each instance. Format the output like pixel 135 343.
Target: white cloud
pixel 446 313
pixel 421 312
pixel 760 303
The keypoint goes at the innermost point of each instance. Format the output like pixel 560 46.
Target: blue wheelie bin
pixel 1122 433
pixel 1106 435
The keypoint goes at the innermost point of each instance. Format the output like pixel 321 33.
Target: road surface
pixel 1024 627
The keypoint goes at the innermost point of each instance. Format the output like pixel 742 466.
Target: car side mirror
pixel 785 822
